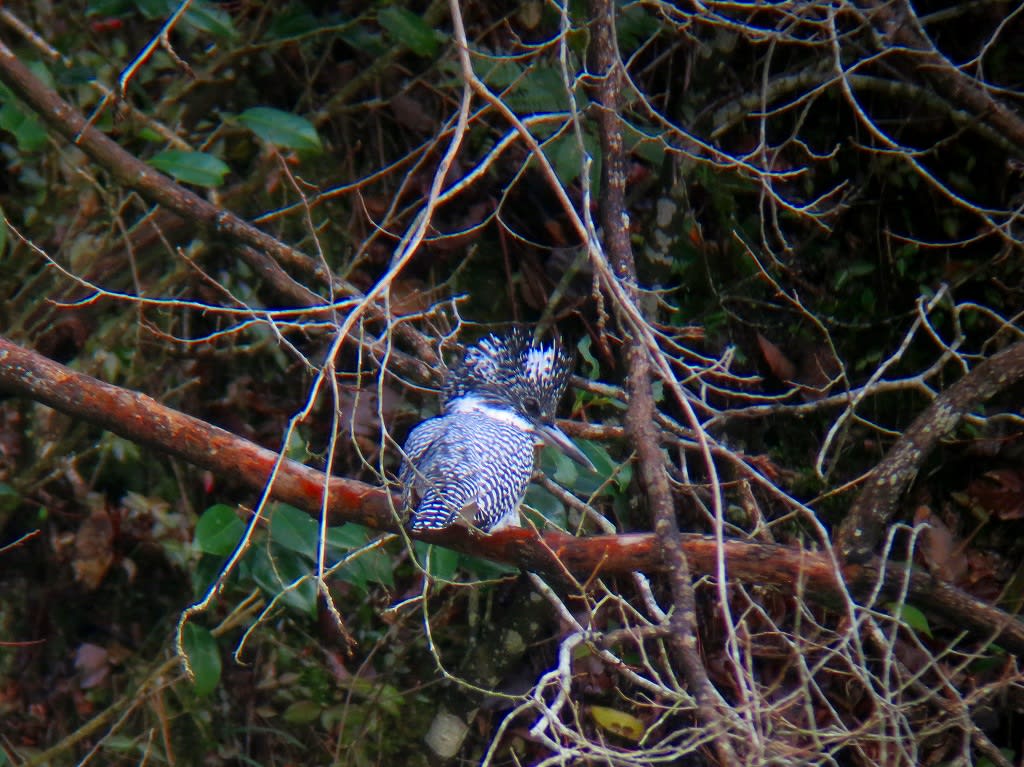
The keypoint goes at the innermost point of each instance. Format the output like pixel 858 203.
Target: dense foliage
pixel 824 211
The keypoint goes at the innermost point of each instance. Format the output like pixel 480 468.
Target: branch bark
pixel 875 506
pixel 266 255
pixel 640 415
pixel 142 419
pixel 897 23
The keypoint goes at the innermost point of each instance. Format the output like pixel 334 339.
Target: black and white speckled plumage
pixel 466 464
pixel 475 459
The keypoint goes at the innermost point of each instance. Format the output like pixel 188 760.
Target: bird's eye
pixel 532 406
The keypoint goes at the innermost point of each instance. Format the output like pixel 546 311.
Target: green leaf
pixel 218 530
pixel 203 658
pixel 485 568
pixel 372 566
pixel 201 15
pixel 854 270
pixel 196 168
pixel 291 22
pixel 409 29
pixel 500 73
pixel 547 504
pixel 282 129
pixel 361 38
pixel 439 562
pixel 564 155
pixel 154 9
pixel 279 568
pixel 205 572
pixel 911 616
pixel 302 712
pixel 347 536
pixel 208 18
pixel 294 530
pixel 540 91
pixel 593 366
pixel 635 26
pixel 28 132
pixel 569 474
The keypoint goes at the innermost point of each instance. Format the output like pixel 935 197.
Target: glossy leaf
pixel 409 29
pixel 294 530
pixel 282 129
pixel 218 530
pixel 203 658
pixel 191 167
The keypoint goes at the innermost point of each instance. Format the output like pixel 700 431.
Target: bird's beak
pixel 560 440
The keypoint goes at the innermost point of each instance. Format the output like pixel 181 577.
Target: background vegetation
pixel 820 232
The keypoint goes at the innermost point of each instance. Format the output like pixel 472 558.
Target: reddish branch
pixel 143 420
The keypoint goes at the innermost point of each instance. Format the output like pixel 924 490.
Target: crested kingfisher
pixel 474 460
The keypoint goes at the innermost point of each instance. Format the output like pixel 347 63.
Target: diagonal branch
pixel 874 507
pixel 266 255
pixel 68 122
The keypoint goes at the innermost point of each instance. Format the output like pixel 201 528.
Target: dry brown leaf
pixel 94 549
pixel 999 492
pixel 939 548
pixel 780 365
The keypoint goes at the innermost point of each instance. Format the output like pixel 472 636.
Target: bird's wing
pixel 502 481
pixel 438 476
pixel 416 444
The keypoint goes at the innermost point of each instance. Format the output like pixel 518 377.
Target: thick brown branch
pixel 266 255
pixel 874 507
pixel 640 416
pixel 68 122
pixel 141 419
pixel 898 24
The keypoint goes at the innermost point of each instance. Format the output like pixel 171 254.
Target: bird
pixel 473 461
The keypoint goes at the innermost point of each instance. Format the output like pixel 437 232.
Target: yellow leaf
pixel 617 722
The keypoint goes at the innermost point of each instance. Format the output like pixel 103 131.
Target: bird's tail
pixel 437 511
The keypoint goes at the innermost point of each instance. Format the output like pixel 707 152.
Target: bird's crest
pixel 513 370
